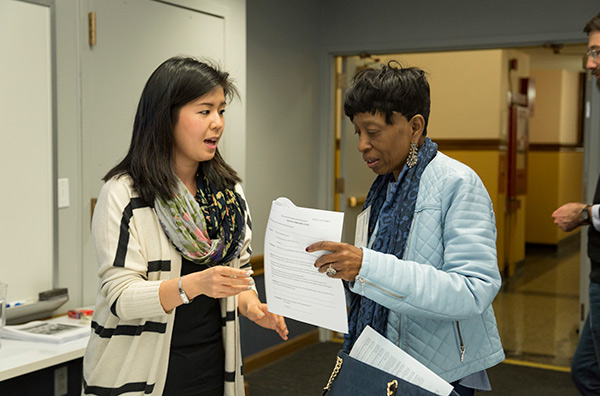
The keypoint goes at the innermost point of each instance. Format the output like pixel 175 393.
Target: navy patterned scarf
pixel 394 211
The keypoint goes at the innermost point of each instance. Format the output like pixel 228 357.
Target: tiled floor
pixel 538 309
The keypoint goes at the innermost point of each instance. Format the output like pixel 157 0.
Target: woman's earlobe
pixel 418 124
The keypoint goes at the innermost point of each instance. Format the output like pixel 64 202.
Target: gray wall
pixel 384 25
pixel 282 124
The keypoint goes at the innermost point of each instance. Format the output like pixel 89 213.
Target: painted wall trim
pixel 471 144
pixel 555 147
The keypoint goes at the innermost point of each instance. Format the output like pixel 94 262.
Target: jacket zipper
pixel 462 345
pixel 364 282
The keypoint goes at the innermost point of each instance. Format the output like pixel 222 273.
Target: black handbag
pixel 353 377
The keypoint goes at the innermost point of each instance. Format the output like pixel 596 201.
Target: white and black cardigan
pixel 128 351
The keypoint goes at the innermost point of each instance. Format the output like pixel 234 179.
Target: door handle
pixel 356 201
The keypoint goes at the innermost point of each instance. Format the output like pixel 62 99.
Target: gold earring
pixel 413 155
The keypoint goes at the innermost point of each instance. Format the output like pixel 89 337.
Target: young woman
pixel 172 235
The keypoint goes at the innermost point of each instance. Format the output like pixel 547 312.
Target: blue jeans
pixel 585 368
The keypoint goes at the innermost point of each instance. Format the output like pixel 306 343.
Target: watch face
pixel 585 214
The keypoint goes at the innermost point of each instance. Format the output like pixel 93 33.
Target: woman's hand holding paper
pixel 343 262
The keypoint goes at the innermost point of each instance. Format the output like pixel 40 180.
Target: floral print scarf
pixel 206 229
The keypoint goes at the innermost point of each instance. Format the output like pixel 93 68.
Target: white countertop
pixel 23 357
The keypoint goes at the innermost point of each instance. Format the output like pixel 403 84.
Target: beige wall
pixel 570 176
pixel 555 118
pixel 545 124
pixel 542 185
pixel 555 174
pixel 570 57
pixel 465 92
pixel 555 178
pixel 569 126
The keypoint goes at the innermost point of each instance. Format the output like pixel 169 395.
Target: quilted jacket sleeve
pixel 450 268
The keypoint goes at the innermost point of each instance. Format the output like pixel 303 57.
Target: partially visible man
pixel 585 368
pixel 593 60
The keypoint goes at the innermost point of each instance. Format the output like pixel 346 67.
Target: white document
pixel 295 288
pixel 374 349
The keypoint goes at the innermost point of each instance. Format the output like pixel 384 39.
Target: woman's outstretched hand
pixel 259 314
pixel 218 282
pixel 343 261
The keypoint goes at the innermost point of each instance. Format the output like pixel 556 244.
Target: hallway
pixel 538 308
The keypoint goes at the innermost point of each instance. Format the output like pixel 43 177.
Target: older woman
pixel 429 275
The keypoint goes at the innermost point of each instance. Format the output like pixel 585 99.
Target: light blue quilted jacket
pixel 440 295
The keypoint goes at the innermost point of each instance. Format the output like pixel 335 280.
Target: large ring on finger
pixel 330 271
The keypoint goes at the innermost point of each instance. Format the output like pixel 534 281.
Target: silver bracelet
pixel 184 298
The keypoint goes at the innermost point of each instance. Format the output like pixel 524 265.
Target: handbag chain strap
pixel 334 373
pixel 392 387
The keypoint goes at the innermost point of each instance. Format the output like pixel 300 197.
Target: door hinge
pixel 92 28
pixel 339 185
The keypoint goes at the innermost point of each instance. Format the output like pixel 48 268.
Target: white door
pixel 132 38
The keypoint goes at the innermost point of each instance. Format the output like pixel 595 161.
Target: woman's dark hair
pixel 592 25
pixel 389 89
pixel 149 162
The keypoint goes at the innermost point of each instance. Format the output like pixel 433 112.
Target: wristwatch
pixel 585 215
